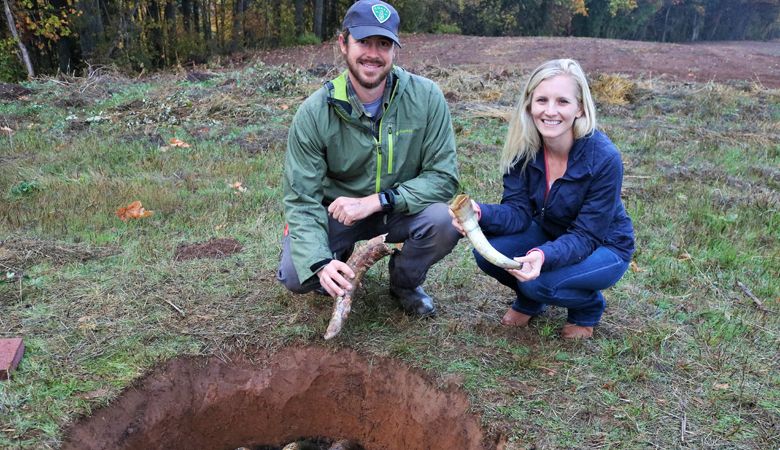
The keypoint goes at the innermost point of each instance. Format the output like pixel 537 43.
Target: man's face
pixel 369 60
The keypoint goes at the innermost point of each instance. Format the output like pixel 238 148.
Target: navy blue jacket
pixel 583 209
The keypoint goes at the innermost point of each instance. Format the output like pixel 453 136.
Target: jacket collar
pixel 580 162
pixel 339 97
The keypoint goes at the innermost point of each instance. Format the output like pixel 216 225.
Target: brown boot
pixel 513 318
pixel 572 331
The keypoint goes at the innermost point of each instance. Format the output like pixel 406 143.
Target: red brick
pixel 11 351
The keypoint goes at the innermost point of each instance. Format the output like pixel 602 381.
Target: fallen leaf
pixel 635 267
pixel 6 131
pixel 239 186
pixel 174 142
pixel 684 256
pixel 133 211
pixel 284 107
pixel 721 386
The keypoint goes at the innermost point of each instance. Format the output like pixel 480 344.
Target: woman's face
pixel 554 107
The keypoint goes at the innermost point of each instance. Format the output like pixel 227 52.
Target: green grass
pixel 94 296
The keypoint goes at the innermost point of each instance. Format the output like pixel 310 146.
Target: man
pixel 369 153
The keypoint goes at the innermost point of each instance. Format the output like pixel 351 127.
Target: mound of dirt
pixel 213 248
pixel 297 392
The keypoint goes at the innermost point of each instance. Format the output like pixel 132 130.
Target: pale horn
pixel 465 214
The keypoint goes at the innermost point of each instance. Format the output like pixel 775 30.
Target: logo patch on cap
pixel 381 13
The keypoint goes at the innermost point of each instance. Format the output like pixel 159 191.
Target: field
pixel 685 357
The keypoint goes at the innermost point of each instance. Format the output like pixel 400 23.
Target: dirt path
pixel 716 61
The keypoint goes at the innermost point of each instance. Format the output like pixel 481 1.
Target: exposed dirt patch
pixel 210 403
pixel 74 100
pixel 12 92
pixel 710 61
pixel 196 77
pixel 213 248
pixel 75 126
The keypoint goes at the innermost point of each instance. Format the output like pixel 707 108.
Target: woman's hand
pixel 456 223
pixel 532 266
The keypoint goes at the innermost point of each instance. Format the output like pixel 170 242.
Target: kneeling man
pixel 369 153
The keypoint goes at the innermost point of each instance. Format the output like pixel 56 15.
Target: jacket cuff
pixel 400 200
pixel 536 249
pixel 319 265
pixel 486 214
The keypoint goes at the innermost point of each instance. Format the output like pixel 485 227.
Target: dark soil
pixel 214 248
pixel 11 92
pixel 702 62
pixel 277 399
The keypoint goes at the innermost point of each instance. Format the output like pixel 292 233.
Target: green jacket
pixel 330 153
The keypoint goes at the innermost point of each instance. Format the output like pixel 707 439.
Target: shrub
pixel 308 39
pixel 11 69
pixel 447 28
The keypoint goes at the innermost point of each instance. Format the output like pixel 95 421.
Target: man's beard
pixel 354 69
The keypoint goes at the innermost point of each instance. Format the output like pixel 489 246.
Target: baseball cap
pixel 372 18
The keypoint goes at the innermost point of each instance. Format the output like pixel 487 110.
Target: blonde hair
pixel 523 139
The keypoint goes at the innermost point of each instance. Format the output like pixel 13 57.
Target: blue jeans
pixel 576 287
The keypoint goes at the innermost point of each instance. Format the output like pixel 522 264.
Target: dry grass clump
pixel 98 83
pixel 19 252
pixel 484 86
pixel 475 110
pixel 613 89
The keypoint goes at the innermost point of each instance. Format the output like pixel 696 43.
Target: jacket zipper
pixel 378 144
pixel 389 142
pixel 548 198
pixel 378 161
pixel 389 150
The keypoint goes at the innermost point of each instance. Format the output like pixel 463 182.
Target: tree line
pixel 49 36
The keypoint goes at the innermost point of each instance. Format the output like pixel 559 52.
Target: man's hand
pixel 532 266
pixel 348 210
pixel 335 276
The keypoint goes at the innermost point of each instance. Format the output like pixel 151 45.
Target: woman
pixel 561 214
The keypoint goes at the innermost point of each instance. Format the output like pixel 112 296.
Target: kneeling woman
pixel 561 214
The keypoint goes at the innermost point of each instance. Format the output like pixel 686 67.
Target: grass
pixel 684 357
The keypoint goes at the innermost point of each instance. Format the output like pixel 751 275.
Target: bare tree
pixel 299 18
pixel 319 19
pixel 22 49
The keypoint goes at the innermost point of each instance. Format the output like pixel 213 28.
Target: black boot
pixel 415 301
